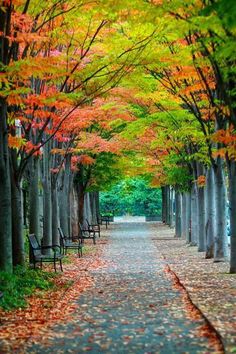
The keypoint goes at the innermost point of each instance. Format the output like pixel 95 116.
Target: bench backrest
pixel 82 231
pixel 34 244
pixel 61 233
pixel 62 237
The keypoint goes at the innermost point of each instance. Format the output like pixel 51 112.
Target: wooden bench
pixel 55 255
pixel 67 243
pixel 94 227
pixel 86 233
pixel 104 219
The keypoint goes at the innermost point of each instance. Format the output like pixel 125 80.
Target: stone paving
pixel 132 307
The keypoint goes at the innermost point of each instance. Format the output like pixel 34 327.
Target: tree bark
pixel 5 194
pixel 178 213
pixel 232 208
pixel 171 208
pixel 210 213
pixel 17 223
pixel 221 244
pixel 81 197
pixel 55 211
pixel 47 203
pixel 74 212
pixel 97 201
pixel 201 211
pixel 5 179
pixel 188 217
pixel 34 213
pixel 164 196
pixel 194 216
pixel 167 216
pixel 64 199
pixel 201 220
pixel 87 208
pixel 183 217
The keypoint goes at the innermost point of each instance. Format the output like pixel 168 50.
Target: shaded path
pixel 133 307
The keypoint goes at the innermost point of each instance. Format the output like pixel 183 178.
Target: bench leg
pixel 61 265
pixel 54 262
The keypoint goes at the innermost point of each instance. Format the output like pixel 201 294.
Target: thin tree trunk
pixel 93 207
pixel 188 217
pixel 184 216
pixel 201 211
pixel 34 213
pixel 177 214
pixel 97 201
pixel 164 196
pixel 47 202
pixel 87 208
pixel 55 212
pixel 210 213
pixel 64 199
pixel 194 216
pixel 81 197
pixel 220 249
pixel 232 209
pixel 171 208
pixel 17 224
pixel 5 194
pixel 167 216
pixel 74 211
pixel 201 220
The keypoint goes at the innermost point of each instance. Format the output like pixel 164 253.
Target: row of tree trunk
pixel 204 215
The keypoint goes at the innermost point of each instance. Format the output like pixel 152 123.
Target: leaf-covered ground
pixel 46 309
pixel 125 298
pixel 211 288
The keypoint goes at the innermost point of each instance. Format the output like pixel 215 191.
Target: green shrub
pixel 22 283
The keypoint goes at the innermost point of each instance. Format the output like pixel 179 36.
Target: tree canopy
pixel 93 92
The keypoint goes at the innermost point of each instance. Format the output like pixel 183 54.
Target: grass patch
pixel 22 283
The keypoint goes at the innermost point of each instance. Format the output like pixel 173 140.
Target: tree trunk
pixel 210 213
pixel 201 220
pixel 201 210
pixel 221 245
pixel 188 217
pixel 167 216
pixel 183 217
pixel 97 201
pixel 232 208
pixel 164 196
pixel 178 213
pixel 17 224
pixel 74 211
pixel 5 194
pixel 55 212
pixel 34 213
pixel 81 198
pixel 47 202
pixel 64 200
pixel 171 208
pixel 93 206
pixel 194 216
pixel 87 208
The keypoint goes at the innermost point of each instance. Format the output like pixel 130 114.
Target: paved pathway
pixel 132 308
